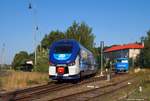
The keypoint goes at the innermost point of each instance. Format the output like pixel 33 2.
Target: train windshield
pixel 63 49
pixel 122 60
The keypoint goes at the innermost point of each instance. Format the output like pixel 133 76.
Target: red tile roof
pixel 122 47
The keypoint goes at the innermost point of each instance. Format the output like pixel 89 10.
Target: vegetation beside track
pixel 132 91
pixel 140 91
pixel 19 80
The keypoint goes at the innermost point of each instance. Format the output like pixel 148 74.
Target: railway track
pixel 35 92
pixel 30 93
pixel 95 92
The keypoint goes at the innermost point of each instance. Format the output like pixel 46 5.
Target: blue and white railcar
pixel 121 65
pixel 70 60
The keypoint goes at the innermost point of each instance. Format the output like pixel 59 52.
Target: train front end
pixel 121 65
pixel 64 60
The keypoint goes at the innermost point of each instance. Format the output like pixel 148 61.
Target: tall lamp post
pixel 36 29
pixel 102 46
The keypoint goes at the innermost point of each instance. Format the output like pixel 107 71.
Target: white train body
pixel 70 60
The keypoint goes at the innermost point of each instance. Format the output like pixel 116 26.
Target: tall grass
pixel 0 83
pixel 19 80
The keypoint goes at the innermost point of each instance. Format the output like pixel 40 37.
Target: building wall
pixel 133 53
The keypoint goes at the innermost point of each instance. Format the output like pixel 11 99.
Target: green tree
pixel 42 61
pixel 19 59
pixel 49 39
pixel 42 64
pixel 82 33
pixel 146 50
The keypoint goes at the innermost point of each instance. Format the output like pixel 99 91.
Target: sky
pixel 112 21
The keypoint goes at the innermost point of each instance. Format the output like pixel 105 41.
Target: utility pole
pixel 102 46
pixel 133 60
pixel 34 32
pixel 142 53
pixel 3 56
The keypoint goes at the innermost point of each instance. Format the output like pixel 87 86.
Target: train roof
pixel 76 46
pixel 121 58
pixel 73 42
pixel 66 40
pixel 74 51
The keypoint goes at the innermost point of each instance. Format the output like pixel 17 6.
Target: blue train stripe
pixel 64 58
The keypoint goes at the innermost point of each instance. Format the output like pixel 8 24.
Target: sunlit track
pixel 18 93
pixel 95 92
pixel 23 95
pixel 35 92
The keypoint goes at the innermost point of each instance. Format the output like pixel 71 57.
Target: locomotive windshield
pixel 122 61
pixel 62 49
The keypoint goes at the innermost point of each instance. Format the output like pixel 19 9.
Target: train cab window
pixel 119 61
pixel 63 49
pixel 124 61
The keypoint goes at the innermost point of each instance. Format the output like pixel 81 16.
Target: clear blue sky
pixel 113 21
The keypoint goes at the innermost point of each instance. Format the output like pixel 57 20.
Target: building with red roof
pixel 121 51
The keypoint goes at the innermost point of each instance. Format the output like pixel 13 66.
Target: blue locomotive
pixel 121 65
pixel 69 60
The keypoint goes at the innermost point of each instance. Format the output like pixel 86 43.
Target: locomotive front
pixel 64 60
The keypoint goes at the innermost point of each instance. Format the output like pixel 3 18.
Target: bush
pixel 42 65
pixel 0 83
pixel 42 68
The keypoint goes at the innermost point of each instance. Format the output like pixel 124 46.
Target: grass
pixel 137 95
pixel 131 92
pixel 0 83
pixel 144 82
pixel 19 80
pixel 144 94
